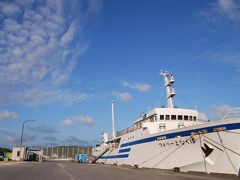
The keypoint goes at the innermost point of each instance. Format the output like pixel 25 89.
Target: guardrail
pixel 232 114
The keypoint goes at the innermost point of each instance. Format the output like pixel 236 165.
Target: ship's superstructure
pixel 168 138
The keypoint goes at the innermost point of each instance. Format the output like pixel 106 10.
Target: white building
pixel 27 154
pixel 18 153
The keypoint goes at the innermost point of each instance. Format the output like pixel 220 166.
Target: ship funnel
pixel 113 122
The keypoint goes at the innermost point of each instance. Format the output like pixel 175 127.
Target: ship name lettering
pixel 177 142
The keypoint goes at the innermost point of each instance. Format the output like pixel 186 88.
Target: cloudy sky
pixel 63 62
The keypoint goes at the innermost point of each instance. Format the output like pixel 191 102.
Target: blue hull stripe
pixel 114 156
pixel 124 150
pixel 183 133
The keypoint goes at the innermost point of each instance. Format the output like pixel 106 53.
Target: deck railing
pixel 125 131
pixel 133 128
pixel 232 114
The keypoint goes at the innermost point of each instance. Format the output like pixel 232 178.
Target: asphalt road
pixel 76 171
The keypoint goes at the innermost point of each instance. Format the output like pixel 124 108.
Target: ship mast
pixel 113 122
pixel 168 82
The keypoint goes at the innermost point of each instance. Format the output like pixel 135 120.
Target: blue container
pixel 81 158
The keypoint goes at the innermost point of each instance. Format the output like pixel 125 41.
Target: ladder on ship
pixel 95 160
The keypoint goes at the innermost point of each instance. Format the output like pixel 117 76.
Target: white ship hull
pixel 215 149
pixel 176 138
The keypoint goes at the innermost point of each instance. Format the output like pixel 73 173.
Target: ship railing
pixel 125 131
pixel 233 113
pixel 133 128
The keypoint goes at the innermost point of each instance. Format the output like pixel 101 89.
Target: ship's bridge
pixel 162 119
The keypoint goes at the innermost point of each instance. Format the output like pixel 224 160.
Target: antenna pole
pixel 113 122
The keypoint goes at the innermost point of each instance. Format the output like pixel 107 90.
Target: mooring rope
pixel 221 141
pixel 222 145
pixel 156 155
pixel 173 151
pixel 200 139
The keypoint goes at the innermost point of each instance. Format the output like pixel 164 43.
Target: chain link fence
pixel 64 152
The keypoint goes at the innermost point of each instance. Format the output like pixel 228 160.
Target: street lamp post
pixel 22 136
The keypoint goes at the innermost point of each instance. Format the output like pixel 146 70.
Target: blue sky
pixel 62 63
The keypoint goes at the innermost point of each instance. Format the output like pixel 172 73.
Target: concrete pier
pixel 75 171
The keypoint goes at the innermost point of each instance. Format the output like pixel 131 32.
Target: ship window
pixel 162 126
pixel 179 117
pixel 173 117
pixel 190 118
pixel 167 117
pixel 151 119
pixel 161 117
pixel 180 125
pixel 194 118
pixel 185 118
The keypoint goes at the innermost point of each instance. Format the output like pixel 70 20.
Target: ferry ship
pixel 175 138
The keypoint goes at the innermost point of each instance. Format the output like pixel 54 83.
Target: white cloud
pixel 86 120
pixel 67 122
pixel 142 87
pixel 68 36
pixel 40 43
pixel 124 96
pixel 41 129
pixel 9 9
pixel 217 112
pixel 202 116
pixel 7 115
pixel 34 97
pixel 77 119
pixel 10 138
pixel 230 8
pixel 76 140
pixel 221 11
pixel 227 54
pixel 95 6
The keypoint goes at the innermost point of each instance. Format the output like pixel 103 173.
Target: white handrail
pixel 232 114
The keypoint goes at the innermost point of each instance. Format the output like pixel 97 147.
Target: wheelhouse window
pixel 185 118
pixel 167 117
pixel 194 118
pixel 180 117
pixel 190 118
pixel 162 126
pixel 173 117
pixel 161 117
